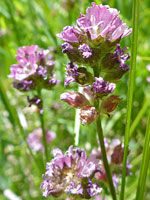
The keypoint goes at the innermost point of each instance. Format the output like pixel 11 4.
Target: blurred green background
pixel 27 22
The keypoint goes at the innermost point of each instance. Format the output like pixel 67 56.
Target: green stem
pixel 96 71
pixel 144 164
pixel 41 116
pixel 104 157
pixel 130 91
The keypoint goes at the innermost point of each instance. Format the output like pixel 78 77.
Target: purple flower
pixel 121 57
pixel 36 101
pixel 93 189
pixel 100 23
pixel 67 172
pixel 34 68
pixel 71 73
pixel 79 75
pixel 85 50
pixel 103 22
pixel 67 47
pixel 24 85
pixel 34 139
pixel 69 34
pixel 102 87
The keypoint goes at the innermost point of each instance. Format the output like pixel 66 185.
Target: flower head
pixel 67 172
pixel 34 69
pixel 34 139
pixel 95 35
pixel 100 23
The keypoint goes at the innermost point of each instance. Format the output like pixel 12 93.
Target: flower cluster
pixel 34 69
pixel 94 42
pixel 85 101
pixel 72 173
pixel 34 139
pixel 114 150
pixel 95 34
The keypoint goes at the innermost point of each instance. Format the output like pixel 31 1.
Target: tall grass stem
pixel 135 17
pixel 144 164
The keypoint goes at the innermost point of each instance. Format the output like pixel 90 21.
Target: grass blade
pixel 139 116
pixel 9 108
pixel 145 164
pixel 135 18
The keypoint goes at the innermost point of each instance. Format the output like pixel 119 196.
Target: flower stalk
pixel 104 157
pixel 102 145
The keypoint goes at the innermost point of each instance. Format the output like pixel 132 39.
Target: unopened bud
pixel 74 99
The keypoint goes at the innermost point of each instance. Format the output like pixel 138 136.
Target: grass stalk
pixel 144 164
pixel 135 17
pixel 139 116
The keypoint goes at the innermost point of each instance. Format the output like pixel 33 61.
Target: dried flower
pixel 69 172
pixel 110 104
pixel 34 139
pixel 88 115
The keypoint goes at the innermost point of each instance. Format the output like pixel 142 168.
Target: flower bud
pixel 102 88
pixel 74 99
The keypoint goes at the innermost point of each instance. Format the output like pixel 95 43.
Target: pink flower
pixel 70 173
pixel 34 139
pixel 34 69
pixel 100 23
